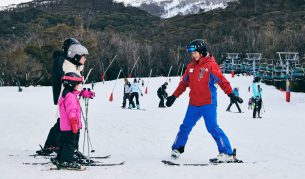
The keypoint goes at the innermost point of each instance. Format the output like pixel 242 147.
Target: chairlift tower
pixel 232 57
pixel 288 58
pixel 254 57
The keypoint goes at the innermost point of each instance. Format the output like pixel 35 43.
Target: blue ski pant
pixel 209 113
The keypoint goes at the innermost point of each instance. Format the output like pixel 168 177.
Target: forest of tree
pixel 31 32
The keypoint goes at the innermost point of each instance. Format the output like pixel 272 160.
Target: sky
pixel 8 2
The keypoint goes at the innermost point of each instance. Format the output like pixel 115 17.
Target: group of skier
pixel 201 76
pixel 131 91
pixel 63 137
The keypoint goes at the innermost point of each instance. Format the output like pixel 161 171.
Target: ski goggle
pixel 191 48
pixel 70 78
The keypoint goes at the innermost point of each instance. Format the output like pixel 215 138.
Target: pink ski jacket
pixel 69 108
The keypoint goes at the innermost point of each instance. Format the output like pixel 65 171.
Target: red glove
pixel 74 125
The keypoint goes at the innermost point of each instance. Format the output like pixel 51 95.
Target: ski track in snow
pixel 272 147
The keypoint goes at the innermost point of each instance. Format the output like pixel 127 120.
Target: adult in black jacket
pixel 162 94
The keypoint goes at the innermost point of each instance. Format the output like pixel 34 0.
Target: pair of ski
pixel 92 163
pixel 171 163
pixel 213 161
pixel 141 109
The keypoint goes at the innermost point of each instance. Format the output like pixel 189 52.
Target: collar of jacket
pixel 203 60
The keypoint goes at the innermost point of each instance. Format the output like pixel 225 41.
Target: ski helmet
pixel 71 79
pixel 75 52
pixel 198 45
pixel 67 43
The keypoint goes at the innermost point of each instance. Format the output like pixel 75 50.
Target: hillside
pixel 31 32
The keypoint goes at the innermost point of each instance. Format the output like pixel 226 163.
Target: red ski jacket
pixel 201 76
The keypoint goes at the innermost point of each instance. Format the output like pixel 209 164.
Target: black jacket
pixel 57 73
pixel 161 91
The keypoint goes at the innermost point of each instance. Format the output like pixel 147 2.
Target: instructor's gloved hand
pixel 170 100
pixel 235 98
pixel 74 125
pixel 87 93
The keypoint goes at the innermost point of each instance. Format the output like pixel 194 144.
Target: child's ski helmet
pixel 67 43
pixel 71 79
pixel 198 45
pixel 75 52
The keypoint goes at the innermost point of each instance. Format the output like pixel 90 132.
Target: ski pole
pixel 87 76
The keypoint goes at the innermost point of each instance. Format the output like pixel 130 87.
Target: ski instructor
pixel 201 76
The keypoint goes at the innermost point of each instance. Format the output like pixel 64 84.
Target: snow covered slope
pixel 272 147
pixel 170 8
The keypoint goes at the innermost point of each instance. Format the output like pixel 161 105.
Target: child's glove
pixel 74 125
pixel 87 93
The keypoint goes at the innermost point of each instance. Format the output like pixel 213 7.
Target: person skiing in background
pixel 126 93
pixel 162 94
pixel 71 59
pixel 257 96
pixel 250 103
pixel 134 91
pixel 236 92
pixel 70 122
pixel 201 75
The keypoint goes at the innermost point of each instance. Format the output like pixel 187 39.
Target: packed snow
pixel 271 147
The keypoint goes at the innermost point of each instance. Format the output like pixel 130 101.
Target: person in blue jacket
pixel 257 96
pixel 134 90
pixel 236 92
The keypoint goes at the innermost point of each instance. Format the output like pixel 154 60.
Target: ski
pixel 103 164
pixel 70 169
pixel 36 163
pixel 141 109
pixel 101 157
pixel 167 162
pixel 215 161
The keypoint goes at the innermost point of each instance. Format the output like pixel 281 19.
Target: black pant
pixel 125 97
pixel 257 107
pixel 134 94
pixel 233 102
pixel 161 103
pixel 53 138
pixel 68 144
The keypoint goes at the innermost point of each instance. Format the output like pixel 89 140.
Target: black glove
pixel 141 94
pixel 235 98
pixel 170 100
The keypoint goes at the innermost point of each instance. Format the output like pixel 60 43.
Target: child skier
pixel 134 90
pixel 250 103
pixel 235 91
pixel 70 121
pixel 201 75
